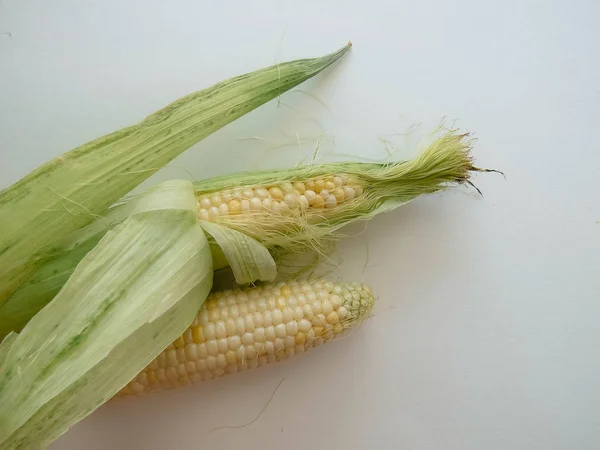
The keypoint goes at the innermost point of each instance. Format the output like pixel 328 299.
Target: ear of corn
pixel 72 190
pixel 285 210
pixel 240 329
pixel 141 285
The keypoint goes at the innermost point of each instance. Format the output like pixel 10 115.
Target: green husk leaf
pixel 5 346
pixel 249 259
pixel 71 191
pixel 127 300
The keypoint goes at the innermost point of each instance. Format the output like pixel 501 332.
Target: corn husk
pixel 143 283
pixel 75 189
pixel 444 163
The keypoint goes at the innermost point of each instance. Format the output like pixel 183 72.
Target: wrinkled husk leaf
pixel 128 298
pixel 76 188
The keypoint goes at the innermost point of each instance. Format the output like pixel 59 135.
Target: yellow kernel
pixel 337 181
pixel 318 202
pixel 190 352
pixel 339 195
pixel 180 354
pixel 310 185
pixel 300 338
pixel 299 187
pixel 230 357
pixel 179 342
pixel 319 185
pixel 234 207
pixel 333 318
pixel 276 193
pixel 358 190
pixel 329 185
pixel 205 203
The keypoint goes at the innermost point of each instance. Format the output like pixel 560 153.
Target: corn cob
pixel 240 329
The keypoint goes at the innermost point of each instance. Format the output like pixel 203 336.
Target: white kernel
pixel 201 350
pixel 336 301
pixel 276 207
pixel 291 200
pixel 319 320
pixel 234 312
pixel 216 200
pixel 304 325
pixel 326 307
pixel 316 308
pixel 358 190
pixel 240 327
pixel 297 313
pixel 301 299
pixel 212 348
pixel 220 330
pixel 308 312
pixel 223 209
pixel 251 352
pixel 267 318
pixel 226 196
pixel 279 345
pixel 234 342
pixel 243 308
pixel 271 303
pixel 277 316
pixel 256 203
pixel 324 193
pixel 247 339
pixel 222 345
pixel 337 181
pixel 348 193
pixel 209 331
pixel 213 213
pixel 330 201
pixel 288 315
pixel 269 348
pixel 221 361
pixel 258 320
pixel 171 357
pixel 259 335
pixel 245 205
pixel 289 342
pixel 270 333
pixel 190 352
pixel 205 203
pixel 291 328
pixel 280 331
pixel 248 193
pixel 203 215
pixel 310 196
pixel 261 193
pixel 249 323
pixel 342 312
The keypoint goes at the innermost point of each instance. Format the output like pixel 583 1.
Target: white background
pixel 486 334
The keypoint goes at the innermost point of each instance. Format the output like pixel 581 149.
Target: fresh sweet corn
pixel 309 196
pixel 240 329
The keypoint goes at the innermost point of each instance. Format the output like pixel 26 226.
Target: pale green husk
pixel 139 288
pixel 443 163
pixel 76 188
pixel 249 260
